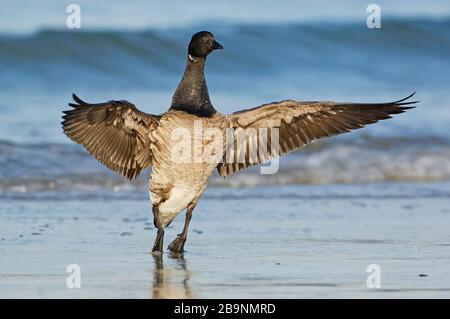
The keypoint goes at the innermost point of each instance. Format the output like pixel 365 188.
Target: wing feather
pixel 301 123
pixel 116 133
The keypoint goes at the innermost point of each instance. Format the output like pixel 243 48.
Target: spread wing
pixel 297 124
pixel 116 133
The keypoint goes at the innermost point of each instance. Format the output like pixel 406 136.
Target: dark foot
pixel 177 245
pixel 158 246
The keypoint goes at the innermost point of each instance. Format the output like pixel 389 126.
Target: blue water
pixel 265 59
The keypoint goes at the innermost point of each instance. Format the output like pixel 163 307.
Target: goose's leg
pixel 177 245
pixel 158 246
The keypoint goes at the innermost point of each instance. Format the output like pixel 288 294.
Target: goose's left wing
pixel 298 124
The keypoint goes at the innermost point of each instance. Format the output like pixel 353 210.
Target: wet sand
pixel 272 242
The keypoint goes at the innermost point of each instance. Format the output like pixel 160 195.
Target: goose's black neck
pixel 192 93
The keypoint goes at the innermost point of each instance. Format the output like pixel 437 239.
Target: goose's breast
pixel 185 152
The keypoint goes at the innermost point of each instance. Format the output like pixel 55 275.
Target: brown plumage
pixel 116 133
pixel 300 123
pixel 127 140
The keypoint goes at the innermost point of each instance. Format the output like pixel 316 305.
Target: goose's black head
pixel 202 44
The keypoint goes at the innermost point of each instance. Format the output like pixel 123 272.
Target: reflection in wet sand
pixel 171 282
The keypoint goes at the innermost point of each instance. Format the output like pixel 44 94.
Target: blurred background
pixel 303 50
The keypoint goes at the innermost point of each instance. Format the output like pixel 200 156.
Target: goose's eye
pixel 203 39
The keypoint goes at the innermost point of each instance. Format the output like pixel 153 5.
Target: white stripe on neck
pixel 191 58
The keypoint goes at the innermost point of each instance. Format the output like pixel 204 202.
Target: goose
pixel 127 140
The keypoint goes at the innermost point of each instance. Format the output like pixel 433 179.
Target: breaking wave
pixel 57 168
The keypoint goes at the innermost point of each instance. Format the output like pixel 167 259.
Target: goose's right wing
pixel 116 133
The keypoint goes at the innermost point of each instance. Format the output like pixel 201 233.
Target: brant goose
pixel 127 140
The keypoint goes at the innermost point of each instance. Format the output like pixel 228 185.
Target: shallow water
pixel 296 242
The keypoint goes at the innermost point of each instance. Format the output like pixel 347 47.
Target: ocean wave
pixel 57 168
pixel 304 59
pixel 136 58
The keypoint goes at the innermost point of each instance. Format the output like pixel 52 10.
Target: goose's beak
pixel 217 45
